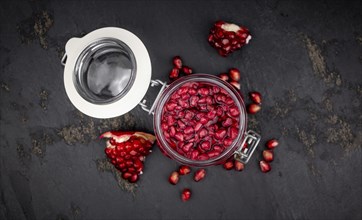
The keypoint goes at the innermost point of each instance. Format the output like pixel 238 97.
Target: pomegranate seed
pixel 234 74
pixel 239 166
pixel 235 84
pixel 255 97
pixel 187 70
pixel 220 134
pixel 174 74
pixel 184 170
pixel 186 195
pixel 271 144
pixel 228 165
pixel 264 166
pixel 253 108
pixel 187 147
pixel 224 77
pixel 133 178
pixel 177 62
pixel 199 175
pixel 126 175
pixel 174 178
pixel 268 155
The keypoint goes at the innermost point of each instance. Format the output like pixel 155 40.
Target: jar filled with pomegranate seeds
pixel 199 120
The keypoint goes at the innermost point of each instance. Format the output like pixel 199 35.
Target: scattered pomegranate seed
pixel 187 70
pixel 235 84
pixel 174 74
pixel 228 165
pixel 253 108
pixel 186 195
pixel 227 37
pixel 255 97
pixel 224 76
pixel 271 144
pixel 127 152
pixel 177 62
pixel 239 166
pixel 234 74
pixel 264 166
pixel 174 178
pixel 268 155
pixel 184 170
pixel 199 175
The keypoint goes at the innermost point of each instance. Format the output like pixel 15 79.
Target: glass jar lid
pixel 107 72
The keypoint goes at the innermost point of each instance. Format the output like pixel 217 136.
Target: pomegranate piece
pixel 187 70
pixel 174 178
pixel 268 155
pixel 224 77
pixel 174 74
pixel 255 97
pixel 234 74
pixel 271 144
pixel 227 37
pixel 184 170
pixel 186 195
pixel 228 165
pixel 253 108
pixel 127 151
pixel 235 84
pixel 239 166
pixel 177 62
pixel 199 175
pixel 264 166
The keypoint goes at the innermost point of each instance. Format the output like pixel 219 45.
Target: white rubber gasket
pixel 74 48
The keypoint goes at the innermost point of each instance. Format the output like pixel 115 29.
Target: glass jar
pixel 249 139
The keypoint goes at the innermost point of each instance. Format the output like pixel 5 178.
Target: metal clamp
pixel 64 59
pixel 143 103
pixel 252 140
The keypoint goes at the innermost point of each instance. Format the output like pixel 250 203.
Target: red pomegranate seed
pixel 126 175
pixel 220 134
pixel 264 166
pixel 268 155
pixel 174 74
pixel 184 170
pixel 239 166
pixel 228 165
pixel 199 175
pixel 133 178
pixel 234 74
pixel 253 108
pixel 177 62
pixel 235 84
pixel 186 195
pixel 224 77
pixel 174 178
pixel 255 97
pixel 271 144
pixel 187 70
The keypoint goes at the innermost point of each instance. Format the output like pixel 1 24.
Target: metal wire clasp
pixel 143 105
pixel 252 140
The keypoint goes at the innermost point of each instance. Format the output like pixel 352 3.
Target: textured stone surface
pixel 305 58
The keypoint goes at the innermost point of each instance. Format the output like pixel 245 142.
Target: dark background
pixel 305 58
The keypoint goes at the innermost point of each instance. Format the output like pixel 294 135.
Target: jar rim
pixel 207 78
